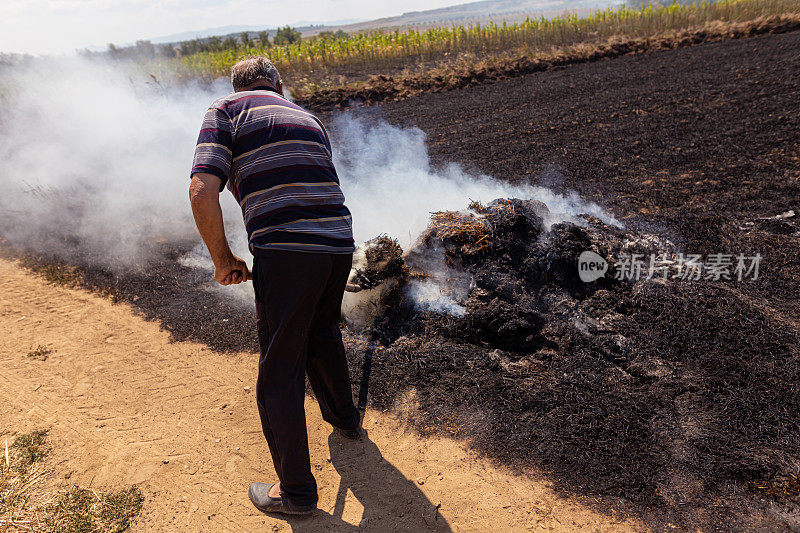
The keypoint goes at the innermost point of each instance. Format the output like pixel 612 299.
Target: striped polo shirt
pixel 276 160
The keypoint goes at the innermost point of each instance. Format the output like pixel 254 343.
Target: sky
pixel 62 26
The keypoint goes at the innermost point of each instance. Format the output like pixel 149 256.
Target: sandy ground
pixel 126 405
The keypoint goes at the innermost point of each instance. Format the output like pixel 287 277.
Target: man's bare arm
pixel 204 196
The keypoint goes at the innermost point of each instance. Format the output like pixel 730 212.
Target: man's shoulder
pixel 221 103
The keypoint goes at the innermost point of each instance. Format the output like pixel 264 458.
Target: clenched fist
pixel 232 271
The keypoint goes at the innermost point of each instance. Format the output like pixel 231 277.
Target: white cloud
pixel 62 26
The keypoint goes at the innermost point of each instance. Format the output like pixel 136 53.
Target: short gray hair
pixel 254 68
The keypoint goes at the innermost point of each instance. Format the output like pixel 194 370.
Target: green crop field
pixel 314 60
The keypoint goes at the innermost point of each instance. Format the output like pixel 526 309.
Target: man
pixel 275 158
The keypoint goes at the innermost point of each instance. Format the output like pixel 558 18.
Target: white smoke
pixel 429 295
pixel 391 187
pixel 95 158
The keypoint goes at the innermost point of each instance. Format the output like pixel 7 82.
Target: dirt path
pixel 126 405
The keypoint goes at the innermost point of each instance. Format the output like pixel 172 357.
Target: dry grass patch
pixel 86 511
pixel 25 505
pixel 40 352
pixel 21 472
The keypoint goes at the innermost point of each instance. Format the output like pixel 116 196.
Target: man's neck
pixel 261 87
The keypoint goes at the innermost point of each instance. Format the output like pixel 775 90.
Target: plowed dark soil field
pixel 677 402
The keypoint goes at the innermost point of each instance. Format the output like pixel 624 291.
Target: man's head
pixel 255 71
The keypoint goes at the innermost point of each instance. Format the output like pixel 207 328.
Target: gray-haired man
pixel 276 159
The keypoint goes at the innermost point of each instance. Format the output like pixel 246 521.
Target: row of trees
pixel 141 50
pixel 245 40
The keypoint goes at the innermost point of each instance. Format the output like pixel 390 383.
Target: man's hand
pixel 232 271
pixel 204 195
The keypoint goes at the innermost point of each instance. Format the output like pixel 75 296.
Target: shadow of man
pixel 390 501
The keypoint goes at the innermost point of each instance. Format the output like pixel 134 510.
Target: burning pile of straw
pixel 467 234
pixel 465 230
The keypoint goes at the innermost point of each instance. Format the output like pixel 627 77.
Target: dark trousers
pixel 298 302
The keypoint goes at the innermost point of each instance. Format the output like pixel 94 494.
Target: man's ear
pixel 279 88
